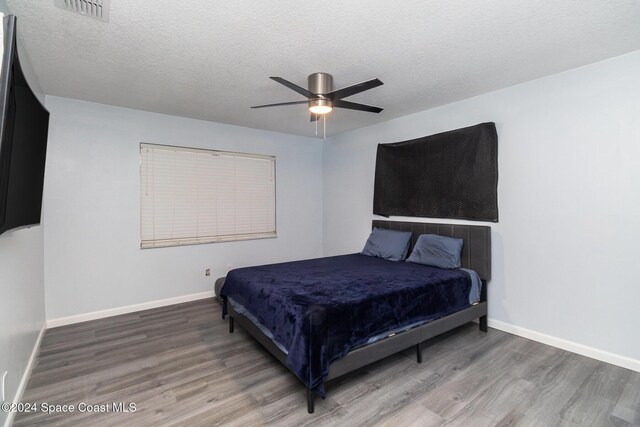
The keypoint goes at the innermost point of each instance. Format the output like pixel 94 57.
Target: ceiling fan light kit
pixel 320 106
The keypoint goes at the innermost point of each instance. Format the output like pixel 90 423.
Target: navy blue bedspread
pixel 320 309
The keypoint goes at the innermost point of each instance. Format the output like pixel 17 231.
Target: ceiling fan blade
pixel 314 117
pixel 300 90
pixel 281 103
pixel 355 106
pixel 352 90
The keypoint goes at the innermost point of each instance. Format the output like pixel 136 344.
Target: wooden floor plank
pixel 628 405
pixel 181 367
pixel 595 399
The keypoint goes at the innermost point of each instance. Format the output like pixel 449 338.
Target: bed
pixel 326 317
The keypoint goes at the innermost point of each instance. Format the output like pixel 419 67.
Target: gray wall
pixel 21 303
pixel 22 296
pixel 92 207
pixel 565 254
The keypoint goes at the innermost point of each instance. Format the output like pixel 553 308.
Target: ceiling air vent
pixel 98 9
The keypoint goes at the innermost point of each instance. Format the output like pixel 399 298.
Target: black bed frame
pixel 476 255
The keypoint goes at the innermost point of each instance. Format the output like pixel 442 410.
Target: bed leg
pixel 419 352
pixel 309 400
pixel 483 323
pixel 230 324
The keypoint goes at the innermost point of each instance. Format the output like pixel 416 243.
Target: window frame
pixel 165 243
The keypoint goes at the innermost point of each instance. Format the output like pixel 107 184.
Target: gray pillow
pixel 388 244
pixel 437 251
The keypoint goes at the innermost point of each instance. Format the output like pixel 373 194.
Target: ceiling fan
pixel 321 97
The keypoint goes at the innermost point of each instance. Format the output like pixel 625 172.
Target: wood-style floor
pixel 180 366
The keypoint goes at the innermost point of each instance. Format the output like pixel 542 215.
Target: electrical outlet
pixel 4 376
pixel 207 272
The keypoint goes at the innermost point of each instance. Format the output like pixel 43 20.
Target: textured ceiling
pixel 211 59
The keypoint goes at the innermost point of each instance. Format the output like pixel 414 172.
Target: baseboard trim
pixel 25 375
pixel 79 318
pixel 574 347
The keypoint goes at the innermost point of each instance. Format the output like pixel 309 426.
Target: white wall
pixel 21 294
pixel 21 302
pixel 565 252
pixel 93 259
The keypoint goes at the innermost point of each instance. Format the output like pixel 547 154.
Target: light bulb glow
pixel 320 109
pixel 320 106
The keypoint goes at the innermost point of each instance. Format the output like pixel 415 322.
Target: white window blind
pixel 190 196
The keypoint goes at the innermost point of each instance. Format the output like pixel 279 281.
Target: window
pixel 190 196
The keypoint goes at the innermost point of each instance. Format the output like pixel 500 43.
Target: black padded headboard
pixel 476 251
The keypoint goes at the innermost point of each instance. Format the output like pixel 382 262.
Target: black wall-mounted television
pixel 24 126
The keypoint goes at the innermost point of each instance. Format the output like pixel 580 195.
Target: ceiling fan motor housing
pixel 320 83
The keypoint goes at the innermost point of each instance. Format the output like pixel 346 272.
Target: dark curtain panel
pixel 448 175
